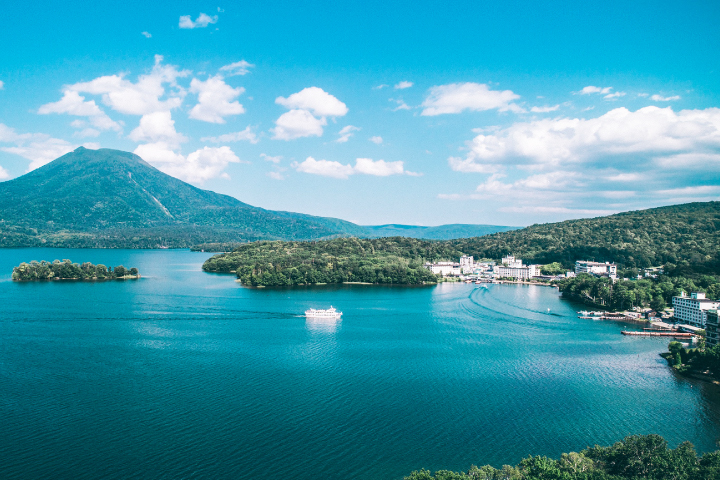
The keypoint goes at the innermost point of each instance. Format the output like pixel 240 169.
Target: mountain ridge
pixel 110 198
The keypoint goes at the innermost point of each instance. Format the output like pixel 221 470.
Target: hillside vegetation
pixel 384 261
pixel 637 457
pixel 683 238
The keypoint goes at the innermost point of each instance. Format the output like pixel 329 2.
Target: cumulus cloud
pixel 238 68
pixel 377 140
pixel 306 106
pixel 247 135
pixel 660 98
pixel 403 85
pixel 316 100
pixel 141 97
pixel 590 89
pixel 275 175
pixel 199 166
pixel 296 124
pixel 458 97
pixel 346 133
pixel 545 109
pixel 4 175
pixel 39 148
pixel 364 166
pixel 380 87
pixel 646 133
pixel 201 21
pixel 215 100
pixel 2 85
pixel 157 127
pixel 73 103
pixel 146 34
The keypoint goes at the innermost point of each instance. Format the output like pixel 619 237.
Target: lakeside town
pixel 692 316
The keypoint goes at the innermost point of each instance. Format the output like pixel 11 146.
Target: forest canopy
pixel 67 270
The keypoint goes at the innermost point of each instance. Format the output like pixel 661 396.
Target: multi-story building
pixel 606 269
pixel 692 310
pixel 520 272
pixel 467 264
pixel 512 262
pixel 711 327
pixel 444 268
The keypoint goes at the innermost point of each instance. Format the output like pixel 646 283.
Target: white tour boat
pixel 329 313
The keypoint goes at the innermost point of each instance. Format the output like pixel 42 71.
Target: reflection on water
pixel 324 325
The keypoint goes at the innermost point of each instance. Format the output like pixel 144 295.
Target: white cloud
pixel 614 96
pixel 315 100
pixel 39 148
pixel 73 103
pixel 268 158
pixel 215 100
pixel 403 85
pixel 660 98
pixel 457 97
pixel 325 168
pixel 157 127
pixel 377 140
pixel 644 134
pixel 146 34
pixel 306 106
pixel 141 97
pixel 276 175
pixel 296 124
pixel 401 105
pixel 238 68
pixel 346 133
pixel 544 109
pixel 365 166
pixel 625 177
pixel 378 168
pixel 380 87
pixel 201 22
pixel 4 175
pixel 199 166
pixel 247 135
pixel 592 89
pixel 2 85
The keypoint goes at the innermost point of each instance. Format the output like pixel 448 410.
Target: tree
pixel 119 271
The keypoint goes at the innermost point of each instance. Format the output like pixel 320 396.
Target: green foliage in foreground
pixel 385 261
pixel 636 457
pixel 655 293
pixel 66 270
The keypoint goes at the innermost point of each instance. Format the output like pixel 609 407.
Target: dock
pixel 659 334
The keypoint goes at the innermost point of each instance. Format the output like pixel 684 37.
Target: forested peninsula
pixel 637 457
pixel 684 239
pixel 67 270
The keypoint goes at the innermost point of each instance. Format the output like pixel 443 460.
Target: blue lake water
pixel 184 374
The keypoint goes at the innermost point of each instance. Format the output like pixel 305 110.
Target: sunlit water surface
pixel 184 374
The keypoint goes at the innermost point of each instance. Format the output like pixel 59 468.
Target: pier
pixel 659 334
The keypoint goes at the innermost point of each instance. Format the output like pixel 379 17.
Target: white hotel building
pixel 692 310
pixel 606 269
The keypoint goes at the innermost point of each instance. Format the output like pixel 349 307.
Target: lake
pixel 184 374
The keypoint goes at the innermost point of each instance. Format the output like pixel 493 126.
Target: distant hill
pixel 111 198
pixel 442 232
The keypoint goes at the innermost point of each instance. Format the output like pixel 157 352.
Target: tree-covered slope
pixel 687 236
pixel 384 260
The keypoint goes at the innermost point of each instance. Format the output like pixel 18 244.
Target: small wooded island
pixel 67 270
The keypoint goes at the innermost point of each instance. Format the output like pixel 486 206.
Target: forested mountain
pixel 110 198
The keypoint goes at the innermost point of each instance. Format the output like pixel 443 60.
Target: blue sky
pixel 379 112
